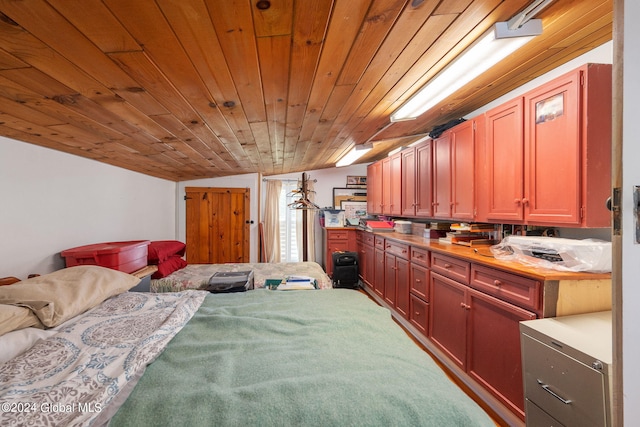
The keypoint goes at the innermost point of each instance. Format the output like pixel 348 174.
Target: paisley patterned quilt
pixel 72 376
pixel 195 276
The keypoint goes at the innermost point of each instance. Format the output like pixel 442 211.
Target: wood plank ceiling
pixel 187 89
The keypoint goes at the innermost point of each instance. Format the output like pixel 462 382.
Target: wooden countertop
pixel 485 257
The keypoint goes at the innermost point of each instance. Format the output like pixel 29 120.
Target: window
pixel 288 225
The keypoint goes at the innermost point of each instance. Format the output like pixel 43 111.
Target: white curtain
pixel 311 226
pixel 271 227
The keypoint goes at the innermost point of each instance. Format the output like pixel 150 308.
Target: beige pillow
pixel 63 294
pixel 13 318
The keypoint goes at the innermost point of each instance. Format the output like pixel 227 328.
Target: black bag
pixel 438 130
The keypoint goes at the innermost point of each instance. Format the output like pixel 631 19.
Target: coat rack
pixel 304 204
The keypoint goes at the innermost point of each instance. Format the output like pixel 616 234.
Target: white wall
pixel 51 201
pixel 630 249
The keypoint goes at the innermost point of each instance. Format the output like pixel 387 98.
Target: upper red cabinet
pixel 548 153
pixel 454 171
pixel 416 180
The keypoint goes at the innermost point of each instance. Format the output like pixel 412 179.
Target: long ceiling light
pixel 497 43
pixel 356 152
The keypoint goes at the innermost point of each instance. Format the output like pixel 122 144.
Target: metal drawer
pixel 453 268
pixel 518 290
pixel 565 388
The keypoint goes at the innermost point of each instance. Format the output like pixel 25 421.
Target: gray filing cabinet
pixel 566 364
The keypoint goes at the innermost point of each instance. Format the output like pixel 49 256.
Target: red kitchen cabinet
pixel 366 259
pixel 567 144
pixel 453 171
pixel 548 153
pixel 494 340
pixel 391 185
pixel 337 240
pixel 396 276
pixel 448 317
pixel 374 188
pixel 504 165
pixel 416 181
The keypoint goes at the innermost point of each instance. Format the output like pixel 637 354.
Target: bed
pixel 196 276
pixel 262 357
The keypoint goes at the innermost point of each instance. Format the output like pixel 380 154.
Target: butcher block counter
pixel 562 293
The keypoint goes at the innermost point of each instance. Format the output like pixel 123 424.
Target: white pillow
pixel 17 342
pixel 63 294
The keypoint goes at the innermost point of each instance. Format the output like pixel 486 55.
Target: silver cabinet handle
pixel 546 388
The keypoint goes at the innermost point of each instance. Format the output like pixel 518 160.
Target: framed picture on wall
pixel 348 195
pixel 356 181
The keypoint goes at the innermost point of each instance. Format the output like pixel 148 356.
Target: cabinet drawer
pixel 419 314
pixel 452 268
pixel 398 249
pixel 420 256
pixel 338 246
pixel 379 242
pixel 518 290
pixel 563 387
pixel 338 234
pixel 367 238
pixel 420 281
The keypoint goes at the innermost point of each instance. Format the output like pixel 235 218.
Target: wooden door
pixel 217 229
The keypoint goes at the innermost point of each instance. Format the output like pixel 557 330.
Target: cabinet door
pixel 369 265
pixel 395 196
pixel 442 176
pixel 552 152
pixel 494 358
pixel 390 279
pixel 386 186
pixel 402 286
pixel 374 188
pixel 505 169
pixel 462 170
pixel 448 317
pixel 423 180
pixel 378 276
pixel 408 182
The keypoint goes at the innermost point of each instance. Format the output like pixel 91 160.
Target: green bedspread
pixel 303 358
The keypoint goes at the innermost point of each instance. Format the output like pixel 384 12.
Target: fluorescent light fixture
pixel 354 154
pixel 489 49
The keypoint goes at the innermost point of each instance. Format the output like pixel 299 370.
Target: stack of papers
pixel 296 283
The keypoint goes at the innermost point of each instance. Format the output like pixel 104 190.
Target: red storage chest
pixel 123 256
